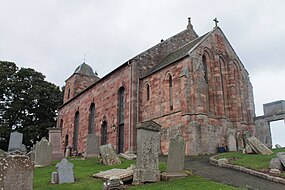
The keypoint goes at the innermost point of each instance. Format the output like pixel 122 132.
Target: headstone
pixel 16 172
pixel 232 143
pixel 248 149
pixel 92 145
pixel 67 152
pixel 15 142
pixel 258 147
pixel 24 148
pixel 240 142
pixel 278 146
pixel 54 178
pixel 148 149
pixel 65 171
pixel 114 183
pixel 55 140
pixel 123 174
pixel 43 153
pixel 128 156
pixel 109 156
pixel 176 155
pixel 275 164
pixel 281 157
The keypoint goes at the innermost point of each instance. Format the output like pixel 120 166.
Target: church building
pixel 191 85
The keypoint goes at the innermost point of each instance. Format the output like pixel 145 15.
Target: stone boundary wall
pixel 214 161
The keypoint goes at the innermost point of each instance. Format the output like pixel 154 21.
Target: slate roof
pixel 84 69
pixel 177 55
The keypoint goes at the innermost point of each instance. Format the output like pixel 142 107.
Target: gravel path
pixel 200 166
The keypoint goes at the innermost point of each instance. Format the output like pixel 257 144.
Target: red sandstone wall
pixel 105 96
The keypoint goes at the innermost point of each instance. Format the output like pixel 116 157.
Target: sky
pixel 52 36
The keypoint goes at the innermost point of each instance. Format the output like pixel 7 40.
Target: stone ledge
pixel 214 161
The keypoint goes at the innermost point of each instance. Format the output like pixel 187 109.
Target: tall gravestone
pixel 176 155
pixel 43 153
pixel 232 143
pixel 15 142
pixel 16 173
pixel 65 171
pixel 148 148
pixel 92 145
pixel 55 140
pixel 109 155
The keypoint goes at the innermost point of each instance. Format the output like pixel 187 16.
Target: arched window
pixel 121 105
pixel 61 123
pixel 121 116
pixel 170 93
pixel 68 93
pixel 91 119
pixel 147 92
pixel 75 132
pixel 204 59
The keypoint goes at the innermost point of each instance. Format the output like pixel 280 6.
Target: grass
pixel 252 161
pixel 84 169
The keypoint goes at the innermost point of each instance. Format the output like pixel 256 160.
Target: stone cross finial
pixel 84 58
pixel 216 22
pixel 189 23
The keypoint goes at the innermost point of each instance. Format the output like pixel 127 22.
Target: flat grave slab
pixel 123 174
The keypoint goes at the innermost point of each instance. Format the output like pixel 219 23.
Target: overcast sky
pixel 52 36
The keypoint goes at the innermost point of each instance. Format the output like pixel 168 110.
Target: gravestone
pixel 278 146
pixel 123 174
pixel 15 142
pixel 258 146
pixel 240 141
pixel 275 164
pixel 43 153
pixel 109 156
pixel 232 143
pixel 55 140
pixel 54 178
pixel 128 156
pixel 65 171
pixel 281 157
pixel 24 148
pixel 176 155
pixel 148 149
pixel 92 145
pixel 16 173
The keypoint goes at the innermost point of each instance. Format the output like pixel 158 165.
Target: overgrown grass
pixel 84 169
pixel 252 161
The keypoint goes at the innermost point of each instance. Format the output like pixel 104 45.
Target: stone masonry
pixel 191 85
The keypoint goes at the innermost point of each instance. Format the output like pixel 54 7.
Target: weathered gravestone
pixel 240 141
pixel 109 156
pixel 128 156
pixel 16 173
pixel 175 159
pixel 281 157
pixel 275 164
pixel 92 145
pixel 258 146
pixel 148 148
pixel 43 153
pixel 176 155
pixel 15 142
pixel 232 143
pixel 278 146
pixel 65 171
pixel 123 174
pixel 55 140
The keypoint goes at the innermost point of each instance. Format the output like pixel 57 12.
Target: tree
pixel 28 103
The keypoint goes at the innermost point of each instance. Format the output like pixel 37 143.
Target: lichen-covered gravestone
pixel 92 145
pixel 43 153
pixel 65 171
pixel 109 156
pixel 232 143
pixel 16 173
pixel 176 155
pixel 148 148
pixel 55 140
pixel 15 142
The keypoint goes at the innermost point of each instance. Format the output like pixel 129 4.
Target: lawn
pixel 252 161
pixel 84 169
